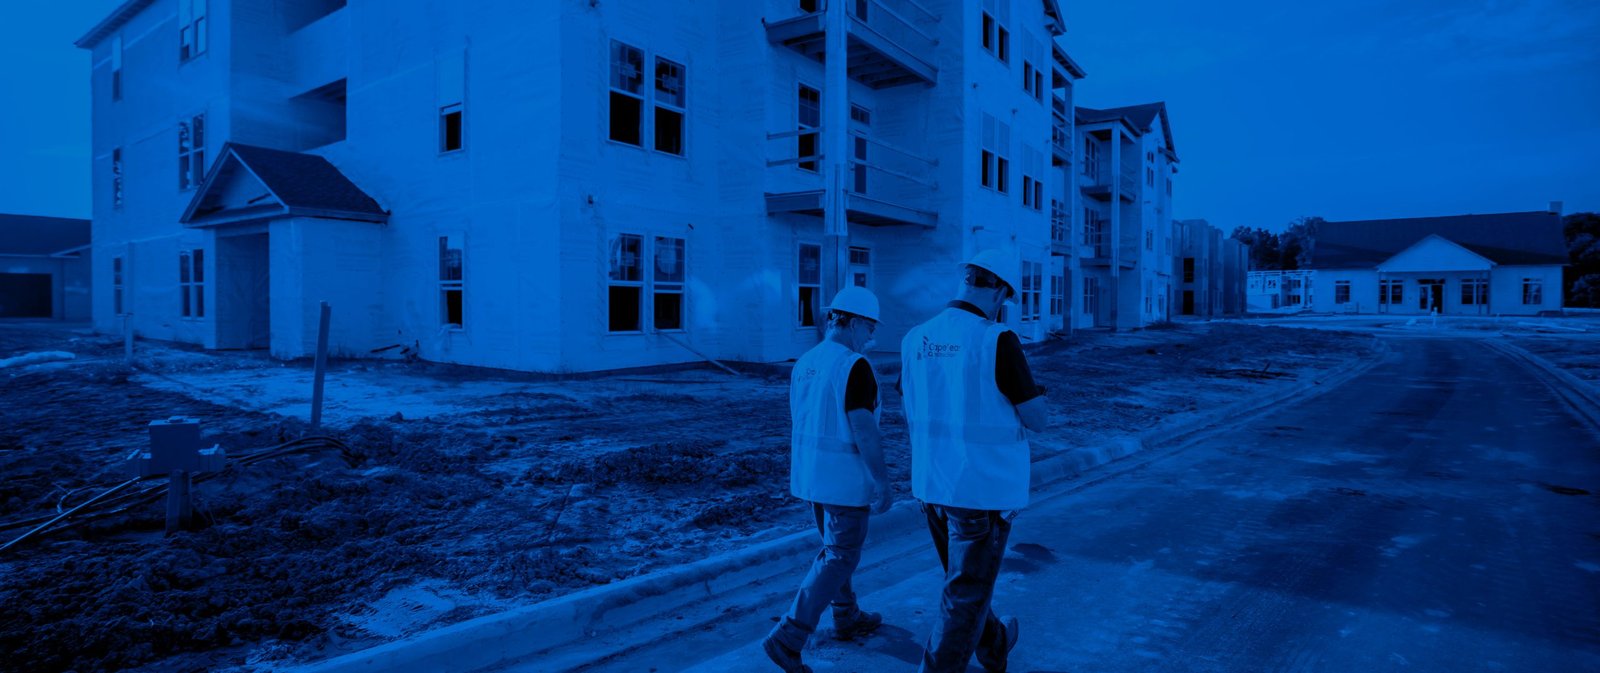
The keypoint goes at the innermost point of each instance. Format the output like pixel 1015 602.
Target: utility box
pixel 174 447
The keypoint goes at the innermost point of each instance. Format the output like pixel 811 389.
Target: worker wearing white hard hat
pixel 836 463
pixel 969 397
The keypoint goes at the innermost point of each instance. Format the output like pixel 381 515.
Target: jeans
pixel 844 530
pixel 971 543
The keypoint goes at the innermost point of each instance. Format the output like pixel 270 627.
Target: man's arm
pixel 1035 416
pixel 864 428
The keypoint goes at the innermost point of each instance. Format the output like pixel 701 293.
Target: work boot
pixel 849 622
pixel 1008 642
pixel 787 659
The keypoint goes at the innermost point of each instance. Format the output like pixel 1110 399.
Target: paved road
pixel 1437 513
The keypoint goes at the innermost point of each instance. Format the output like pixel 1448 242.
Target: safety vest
pixel 967 443
pixel 825 465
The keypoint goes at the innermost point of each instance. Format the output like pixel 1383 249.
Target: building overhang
pixel 118 17
pixel 859 209
pixel 249 185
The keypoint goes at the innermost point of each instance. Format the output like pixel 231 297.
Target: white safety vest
pixel 825 465
pixel 967 443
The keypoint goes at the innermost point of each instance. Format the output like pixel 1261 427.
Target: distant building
pixel 1500 264
pixel 1208 271
pixel 1280 291
pixel 571 186
pixel 1125 253
pixel 44 267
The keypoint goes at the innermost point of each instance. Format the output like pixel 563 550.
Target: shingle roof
pixel 1141 117
pixel 36 235
pixel 304 184
pixel 1531 238
pixel 305 181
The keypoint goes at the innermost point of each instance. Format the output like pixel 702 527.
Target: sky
pixel 1357 109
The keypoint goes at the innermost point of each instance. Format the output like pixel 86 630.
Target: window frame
pixel 658 287
pixel 191 284
pixel 1534 288
pixel 612 65
pixel 117 193
pixel 680 108
pixel 191 152
pixel 813 165
pixel 649 98
pixel 612 281
pixel 1341 292
pixel 119 270
pixel 867 264
pixel 195 23
pixel 116 67
pixel 458 109
pixel 816 287
pixel 1058 294
pixel 447 285
pixel 1474 292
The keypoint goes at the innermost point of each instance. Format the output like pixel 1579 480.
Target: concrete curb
pixel 519 634
pixel 1581 396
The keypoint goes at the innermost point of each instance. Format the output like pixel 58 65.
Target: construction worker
pixel 968 397
pixel 836 463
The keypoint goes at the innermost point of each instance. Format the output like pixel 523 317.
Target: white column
pixel 835 150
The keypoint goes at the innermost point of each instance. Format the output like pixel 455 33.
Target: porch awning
pixel 250 184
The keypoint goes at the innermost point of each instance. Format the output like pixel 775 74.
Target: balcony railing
pixel 884 184
pixel 1060 139
pixel 887 39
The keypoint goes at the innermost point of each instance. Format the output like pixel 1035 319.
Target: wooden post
pixel 179 507
pixel 320 369
pixel 127 337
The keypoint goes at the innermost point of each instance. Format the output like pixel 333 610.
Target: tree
pixel 1582 231
pixel 1264 252
pixel 1299 241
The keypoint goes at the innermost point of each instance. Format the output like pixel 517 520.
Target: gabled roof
pixel 1141 117
pixel 301 184
pixel 119 16
pixel 35 235
pixel 1052 9
pixel 1530 238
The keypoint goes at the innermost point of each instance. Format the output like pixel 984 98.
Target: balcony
pixel 1060 141
pixel 1094 183
pixel 1060 230
pixel 1096 246
pixel 886 185
pixel 1129 182
pixel 883 37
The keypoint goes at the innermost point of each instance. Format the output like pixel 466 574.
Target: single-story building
pixel 1495 264
pixel 44 267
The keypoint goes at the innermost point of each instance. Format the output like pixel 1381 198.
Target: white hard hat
pixel 1002 265
pixel 856 301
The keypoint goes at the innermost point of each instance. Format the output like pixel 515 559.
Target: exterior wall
pixel 539 191
pixel 157 93
pixel 1505 291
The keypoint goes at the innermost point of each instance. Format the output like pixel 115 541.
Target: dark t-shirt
pixel 1011 372
pixel 861 390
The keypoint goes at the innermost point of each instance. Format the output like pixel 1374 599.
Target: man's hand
pixel 882 497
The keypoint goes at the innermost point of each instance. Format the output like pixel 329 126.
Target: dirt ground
pixel 465 491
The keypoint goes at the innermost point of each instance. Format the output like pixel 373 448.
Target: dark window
pixel 191 283
pixel 1341 292
pixel 810 283
pixel 450 128
pixel 986 173
pixel 809 6
pixel 116 285
pixel 626 292
pixel 116 177
pixel 627 94
pixel 452 282
pixel 988 32
pixel 667 283
pixel 191 28
pixel 671 105
pixel 191 152
pixel 116 68
pixel 1188 269
pixel 809 117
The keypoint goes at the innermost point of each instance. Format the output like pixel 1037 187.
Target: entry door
pixel 1188 302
